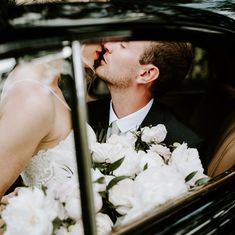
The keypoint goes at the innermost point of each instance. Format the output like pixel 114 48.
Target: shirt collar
pixel 131 121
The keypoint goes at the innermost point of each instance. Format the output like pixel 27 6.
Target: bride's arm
pixel 25 119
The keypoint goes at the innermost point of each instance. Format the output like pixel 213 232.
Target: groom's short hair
pixel 173 60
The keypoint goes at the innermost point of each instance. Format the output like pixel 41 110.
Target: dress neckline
pixel 63 141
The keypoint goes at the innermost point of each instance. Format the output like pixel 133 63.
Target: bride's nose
pixel 109 46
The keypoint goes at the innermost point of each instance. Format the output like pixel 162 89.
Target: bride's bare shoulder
pixel 27 97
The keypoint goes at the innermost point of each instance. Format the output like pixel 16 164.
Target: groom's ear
pixel 148 73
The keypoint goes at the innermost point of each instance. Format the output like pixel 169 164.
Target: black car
pixel 205 99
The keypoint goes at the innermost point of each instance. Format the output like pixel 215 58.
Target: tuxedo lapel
pixel 155 115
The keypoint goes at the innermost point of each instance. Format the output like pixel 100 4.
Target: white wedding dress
pixel 56 164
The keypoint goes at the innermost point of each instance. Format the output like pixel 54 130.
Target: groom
pixel 136 72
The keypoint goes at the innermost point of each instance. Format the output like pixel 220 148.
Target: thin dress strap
pixel 62 101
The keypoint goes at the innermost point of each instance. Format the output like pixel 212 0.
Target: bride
pixel 36 137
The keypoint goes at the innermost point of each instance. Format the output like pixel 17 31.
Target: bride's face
pixel 90 53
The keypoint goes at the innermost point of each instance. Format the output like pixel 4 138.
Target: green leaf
pixel 67 169
pixel 139 144
pixel 57 222
pixel 100 180
pixel 115 165
pixel 190 176
pixel 202 181
pixel 103 194
pixel 115 181
pixel 44 189
pixel 146 166
pixel 100 165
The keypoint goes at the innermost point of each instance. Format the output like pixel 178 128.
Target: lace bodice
pixel 52 165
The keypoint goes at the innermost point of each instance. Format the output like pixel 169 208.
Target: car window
pixel 134 174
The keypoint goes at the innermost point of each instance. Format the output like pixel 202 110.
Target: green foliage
pixel 57 223
pixel 115 181
pixel 108 208
pixel 190 176
pixel 139 144
pixel 107 168
pixel 202 181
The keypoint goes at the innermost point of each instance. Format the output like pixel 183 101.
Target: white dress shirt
pixel 130 122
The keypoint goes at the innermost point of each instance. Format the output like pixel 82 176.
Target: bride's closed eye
pixel 123 44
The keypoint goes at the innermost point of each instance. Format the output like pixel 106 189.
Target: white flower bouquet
pixel 131 175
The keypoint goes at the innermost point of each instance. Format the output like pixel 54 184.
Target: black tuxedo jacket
pixel 98 112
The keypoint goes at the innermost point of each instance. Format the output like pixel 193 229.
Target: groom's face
pixel 120 64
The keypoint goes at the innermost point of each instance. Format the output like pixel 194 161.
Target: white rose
pixel 186 160
pixel 122 195
pixel 155 186
pixel 104 224
pixel 26 214
pixel 106 152
pixel 154 134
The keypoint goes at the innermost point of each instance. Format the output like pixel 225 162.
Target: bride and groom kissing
pixel 39 141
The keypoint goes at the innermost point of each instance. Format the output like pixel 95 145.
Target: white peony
pixel 154 134
pixel 130 165
pixel 151 159
pixel 27 214
pixel 96 175
pixel 104 224
pixel 134 213
pixel 90 136
pixel 155 186
pixel 126 141
pixel 108 178
pixel 98 201
pixel 122 195
pixel 161 150
pixel 106 152
pixel 186 160
pixel 76 229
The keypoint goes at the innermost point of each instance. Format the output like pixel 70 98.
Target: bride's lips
pixel 100 58
pixel 97 53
